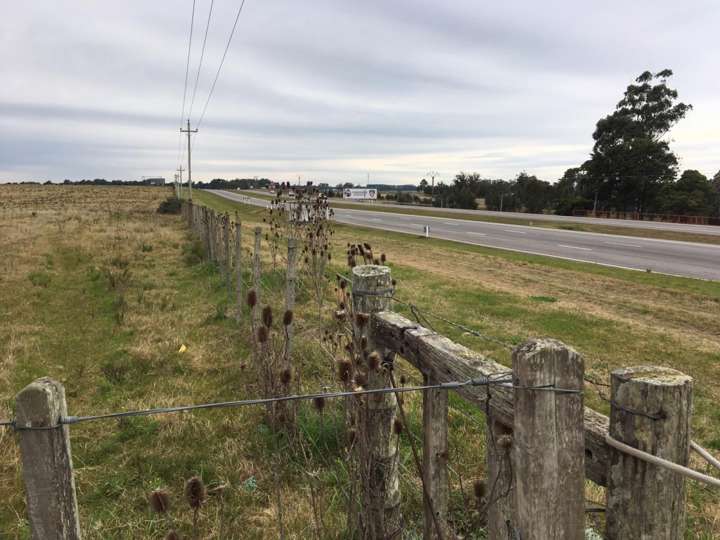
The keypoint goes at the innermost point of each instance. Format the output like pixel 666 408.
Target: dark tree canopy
pixel 631 161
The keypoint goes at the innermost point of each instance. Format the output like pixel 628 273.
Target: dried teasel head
pixel 373 360
pixel 195 492
pixel 288 318
pixel 267 316
pixel 403 380
pixel 251 298
pixel 361 379
pixel 344 369
pixel 286 376
pixel 319 403
pixel 397 426
pixel 383 258
pixel 172 535
pixel 159 501
pixel 262 334
pixel 363 342
pixel 362 319
pixel 479 489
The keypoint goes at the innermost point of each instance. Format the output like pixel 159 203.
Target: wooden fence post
pixel 290 287
pixel 47 461
pixel 227 260
pixel 548 453
pixel 500 485
pixel 650 410
pixel 371 293
pixel 238 269
pixel 208 233
pixel 256 274
pixel 435 458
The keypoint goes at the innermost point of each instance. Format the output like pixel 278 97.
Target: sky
pixel 341 90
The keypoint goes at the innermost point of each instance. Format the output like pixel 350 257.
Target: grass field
pixel 100 292
pixel 628 230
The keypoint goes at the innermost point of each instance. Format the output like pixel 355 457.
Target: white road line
pixel 575 247
pixel 451 224
pixel 417 224
pixel 476 233
pixel 622 244
pixel 514 231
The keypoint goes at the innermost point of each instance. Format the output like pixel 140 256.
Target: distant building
pixel 154 181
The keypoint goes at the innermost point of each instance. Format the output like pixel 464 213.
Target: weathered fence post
pixel 371 293
pixel 548 453
pixel 290 286
pixel 228 254
pixel 238 268
pixel 47 461
pixel 256 273
pixel 435 458
pixel 650 410
pixel 208 233
pixel 500 485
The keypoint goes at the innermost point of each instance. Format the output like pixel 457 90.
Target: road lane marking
pixel 575 247
pixel 622 244
pixel 451 224
pixel 476 233
pixel 513 231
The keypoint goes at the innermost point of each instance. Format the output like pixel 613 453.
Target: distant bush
pixel 171 205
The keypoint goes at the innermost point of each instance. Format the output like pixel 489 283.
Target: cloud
pixel 332 90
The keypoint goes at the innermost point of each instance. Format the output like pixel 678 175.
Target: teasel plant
pixel 347 342
pixel 316 252
pixel 274 366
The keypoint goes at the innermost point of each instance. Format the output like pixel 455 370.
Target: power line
pixel 202 55
pixel 222 61
pixel 187 71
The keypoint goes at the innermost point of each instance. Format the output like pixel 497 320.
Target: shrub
pixel 171 205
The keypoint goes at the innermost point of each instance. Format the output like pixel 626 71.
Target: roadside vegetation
pixel 112 298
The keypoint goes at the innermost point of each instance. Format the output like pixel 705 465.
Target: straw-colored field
pixel 100 292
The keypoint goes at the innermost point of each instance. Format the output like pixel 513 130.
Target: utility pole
pixel 189 168
pixel 180 170
pixel 175 184
pixel 432 175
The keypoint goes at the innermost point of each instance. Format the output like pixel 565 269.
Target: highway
pixel 686 259
pixel 712 230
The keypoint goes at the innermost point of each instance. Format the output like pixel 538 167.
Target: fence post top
pixel 370 270
pixel 654 375
pixel 39 404
pixel 534 346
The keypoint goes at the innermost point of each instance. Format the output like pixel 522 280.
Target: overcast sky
pixel 332 90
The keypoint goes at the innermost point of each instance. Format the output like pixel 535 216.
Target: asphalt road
pixel 664 256
pixel 713 230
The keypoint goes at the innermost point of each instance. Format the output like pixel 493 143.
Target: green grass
pixel 703 287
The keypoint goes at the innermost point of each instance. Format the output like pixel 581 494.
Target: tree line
pixel 631 167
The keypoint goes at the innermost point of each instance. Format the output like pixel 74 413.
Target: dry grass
pixel 59 317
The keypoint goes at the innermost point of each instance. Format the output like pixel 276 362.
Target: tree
pixel 574 191
pixel 692 195
pixel 716 189
pixel 532 194
pixel 631 161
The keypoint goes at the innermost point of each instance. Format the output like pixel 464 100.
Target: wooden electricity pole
pixel 180 170
pixel 189 167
